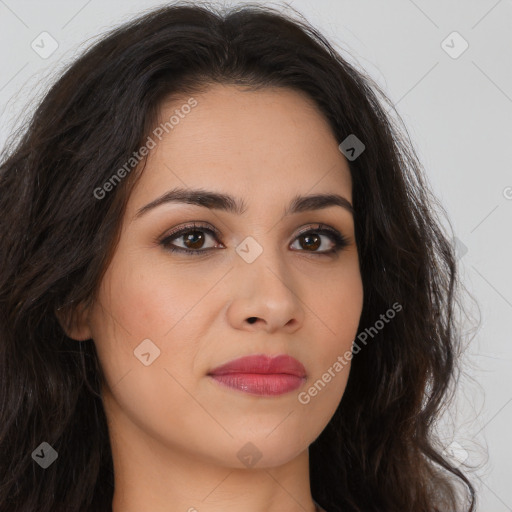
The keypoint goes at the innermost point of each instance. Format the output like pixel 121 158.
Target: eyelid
pixel 316 226
pixel 191 226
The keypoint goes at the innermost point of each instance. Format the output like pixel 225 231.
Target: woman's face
pixel 163 320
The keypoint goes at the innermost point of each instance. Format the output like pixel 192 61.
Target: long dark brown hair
pixel 379 451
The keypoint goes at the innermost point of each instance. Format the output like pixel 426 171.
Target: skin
pixel 175 433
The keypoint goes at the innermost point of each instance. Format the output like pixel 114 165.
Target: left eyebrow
pixel 219 201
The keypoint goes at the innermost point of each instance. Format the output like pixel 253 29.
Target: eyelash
pixel 340 241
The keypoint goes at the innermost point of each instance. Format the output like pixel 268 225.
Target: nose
pixel 265 295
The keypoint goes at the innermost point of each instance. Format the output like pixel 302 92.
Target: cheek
pixel 338 310
pixel 148 313
pixel 337 303
pixel 142 300
pixel 140 313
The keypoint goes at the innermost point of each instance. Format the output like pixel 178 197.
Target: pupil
pixel 190 238
pixel 311 237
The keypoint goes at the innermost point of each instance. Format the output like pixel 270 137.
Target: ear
pixel 74 320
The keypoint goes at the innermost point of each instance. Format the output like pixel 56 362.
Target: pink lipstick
pixel 261 375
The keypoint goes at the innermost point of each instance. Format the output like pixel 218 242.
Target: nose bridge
pixel 263 281
pixel 261 237
pixel 262 256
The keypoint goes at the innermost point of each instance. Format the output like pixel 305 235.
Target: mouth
pixel 261 375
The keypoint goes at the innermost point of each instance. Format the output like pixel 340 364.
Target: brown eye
pixel 311 241
pixel 193 239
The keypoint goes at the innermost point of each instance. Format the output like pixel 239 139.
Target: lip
pixel 261 375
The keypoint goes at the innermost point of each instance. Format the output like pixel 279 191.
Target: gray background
pixel 457 112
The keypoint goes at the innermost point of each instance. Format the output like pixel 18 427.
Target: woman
pixel 209 224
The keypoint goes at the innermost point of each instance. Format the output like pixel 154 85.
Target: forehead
pixel 267 144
